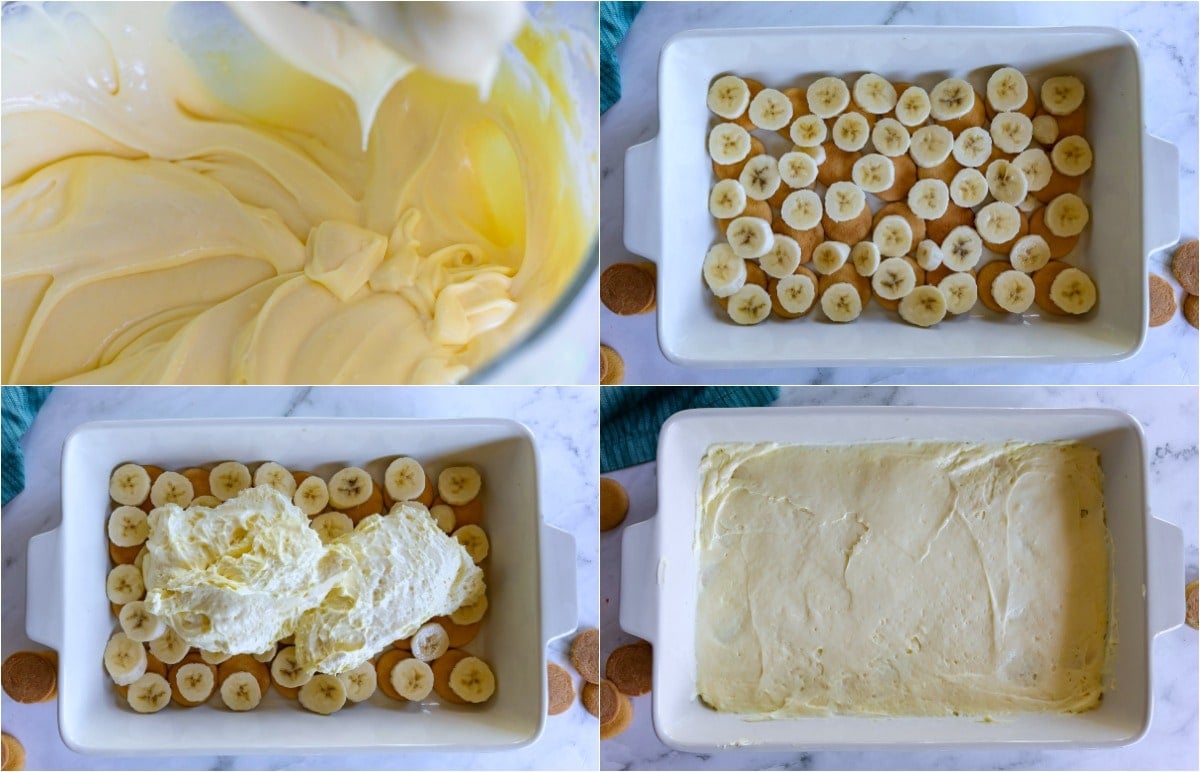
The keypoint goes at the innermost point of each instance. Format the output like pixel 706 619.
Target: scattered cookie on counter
pixel 612 367
pixel 562 689
pixel 1184 266
pixel 13 754
pixel 29 677
pixel 614 503
pixel 591 698
pixel 616 711
pixel 1162 301
pixel 1193 613
pixel 630 668
pixel 1190 310
pixel 585 655
pixel 627 289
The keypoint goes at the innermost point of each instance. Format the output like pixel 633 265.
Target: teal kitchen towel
pixel 21 404
pixel 630 416
pixel 615 19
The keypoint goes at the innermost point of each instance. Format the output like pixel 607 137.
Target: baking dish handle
pixel 560 610
pixel 639 580
pixel 1164 577
pixel 642 218
pixel 1162 193
pixel 43 590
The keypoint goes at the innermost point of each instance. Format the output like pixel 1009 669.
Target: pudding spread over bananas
pixel 181 204
pixel 237 577
pixel 901 579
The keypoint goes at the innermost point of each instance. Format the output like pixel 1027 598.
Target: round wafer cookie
pixel 1183 265
pixel 612 367
pixel 585 655
pixel 630 667
pixel 626 289
pixel 1192 611
pixel 12 755
pixel 1162 301
pixel 1190 310
pixel 28 677
pixel 614 503
pixel 621 718
pixel 562 689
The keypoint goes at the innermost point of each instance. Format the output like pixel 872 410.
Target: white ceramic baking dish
pixel 531 588
pixel 1133 192
pixel 658 581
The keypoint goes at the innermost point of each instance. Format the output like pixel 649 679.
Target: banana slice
pixel 1067 215
pixel 1013 291
pixel 931 145
pixel 241 691
pixel 841 302
pixel 962 248
pixel 960 291
pixel 929 198
pixel 1045 129
pixel 797 170
pixel 728 96
pixel 894 279
pixel 874 172
pixel 726 201
pixel 276 476
pixel 865 257
pixel 149 694
pixel 809 131
pixel 760 177
pixel 851 132
pixel 998 222
pixel 412 679
pixel 470 613
pixel 331 525
pixel 474 540
pixel 206 501
pixel 874 94
pixel 429 642
pixel 214 657
pixel 171 488
pixel 129 484
pixel 1007 89
pixel 844 201
pixel 169 648
pixel 128 526
pixel 1030 253
pixel 968 188
pixel 1012 132
pixel 830 256
pixel 1035 165
pixel 350 487
pixel 404 479
pixel 890 137
pixel 124 659
pixel 973 147
pixel 1073 291
pixel 894 237
pixel 312 496
pixel 913 106
pixel 1062 95
pixel 952 98
pixel 443 514
pixel 228 479
pixel 770 109
pixel 817 153
pixel 724 272
pixel 194 682
pixel 359 683
pixel 1072 156
pixel 1006 182
pixel 286 671
pixel 472 680
pixel 728 143
pixel 749 305
pixel 139 624
pixel 929 254
pixel 124 584
pixel 796 293
pixel 783 259
pixel 828 97
pixel 750 238
pixel 925 306
pixel 802 210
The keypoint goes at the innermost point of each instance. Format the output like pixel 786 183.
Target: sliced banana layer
pixel 890 137
pixel 925 306
pixel 1013 291
pixel 728 96
pixel 129 484
pixel 1035 165
pixel 1012 132
pixel 808 131
pixel 962 248
pixel 874 173
pixel 828 97
pixel 1007 89
pixel 894 279
pixel 1062 95
pixel 844 201
pixel 802 210
pixel 968 188
pixel 951 98
pixel 797 170
pixel 728 143
pixel 931 145
pixel 894 237
pixel 726 201
pixel 929 198
pixel 128 526
pixel 770 109
pixel 1030 253
pixel 841 302
pixel 913 106
pixel 851 132
pixel 1073 291
pixel 1006 182
pixel 1067 215
pixel 783 259
pixel 874 94
pixel 960 291
pixel 749 305
pixel 760 177
pixel 829 256
pixel 796 293
pixel 973 147
pixel 1072 156
pixel 724 272
pixel 998 222
pixel 750 238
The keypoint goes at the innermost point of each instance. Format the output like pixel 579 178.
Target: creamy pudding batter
pixel 181 204
pixel 901 579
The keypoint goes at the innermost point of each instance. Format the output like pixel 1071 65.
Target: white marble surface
pixel 563 421
pixel 1169 416
pixel 1166 35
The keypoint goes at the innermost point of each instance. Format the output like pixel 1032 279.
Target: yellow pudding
pixel 901 579
pixel 181 205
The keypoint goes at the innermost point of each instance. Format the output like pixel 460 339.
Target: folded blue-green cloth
pixel 630 416
pixel 615 19
pixel 20 405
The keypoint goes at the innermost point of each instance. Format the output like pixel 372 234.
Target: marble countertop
pixel 1166 36
pixel 1169 417
pixel 563 422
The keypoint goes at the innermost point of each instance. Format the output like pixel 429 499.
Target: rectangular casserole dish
pixel 1132 191
pixel 659 575
pixel 530 574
